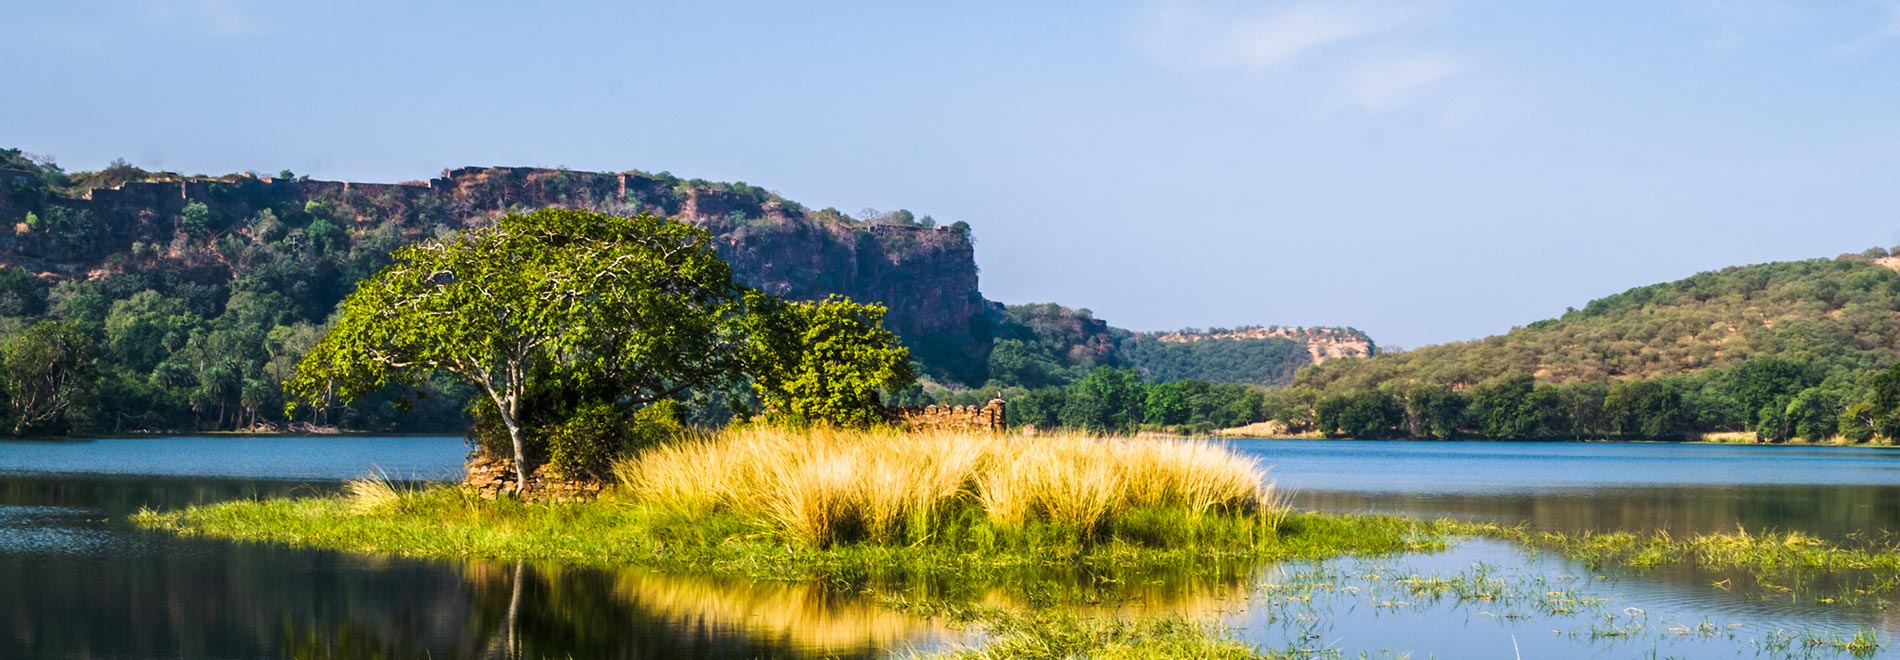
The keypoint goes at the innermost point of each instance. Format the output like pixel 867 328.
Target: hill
pixel 200 291
pixel 189 298
pixel 1048 345
pixel 1728 350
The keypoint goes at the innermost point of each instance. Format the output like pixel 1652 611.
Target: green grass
pixel 444 522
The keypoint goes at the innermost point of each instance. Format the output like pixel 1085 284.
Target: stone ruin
pixel 988 418
pixel 492 477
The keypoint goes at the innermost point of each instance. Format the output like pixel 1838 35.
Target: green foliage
pixel 1269 361
pixel 195 219
pixel 1367 414
pixel 1199 406
pixel 1047 345
pixel 587 443
pixel 825 362
pixel 21 294
pixel 641 303
pixel 1105 401
pixel 49 374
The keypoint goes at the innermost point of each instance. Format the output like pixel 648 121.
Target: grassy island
pixel 777 504
pixel 941 520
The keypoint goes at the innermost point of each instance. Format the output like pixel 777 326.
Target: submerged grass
pixel 1774 563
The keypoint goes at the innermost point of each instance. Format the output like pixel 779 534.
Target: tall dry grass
pixel 372 493
pixel 824 485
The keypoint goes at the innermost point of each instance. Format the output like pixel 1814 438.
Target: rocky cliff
pixel 926 275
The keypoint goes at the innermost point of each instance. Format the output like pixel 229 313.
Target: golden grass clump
pixel 371 493
pixel 825 485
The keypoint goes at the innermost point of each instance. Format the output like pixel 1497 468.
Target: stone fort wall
pixel 988 418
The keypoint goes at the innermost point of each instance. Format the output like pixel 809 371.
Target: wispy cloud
pixel 1198 36
pixel 1343 54
pixel 213 18
pixel 1886 30
pixel 1388 83
pixel 1736 20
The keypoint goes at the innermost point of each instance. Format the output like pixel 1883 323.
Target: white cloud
pixel 1394 82
pixel 1736 20
pixel 1344 55
pixel 1256 39
pixel 1886 31
pixel 216 18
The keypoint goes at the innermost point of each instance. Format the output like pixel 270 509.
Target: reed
pixel 823 486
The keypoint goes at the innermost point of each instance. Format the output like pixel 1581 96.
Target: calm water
pixel 1832 492
pixel 80 583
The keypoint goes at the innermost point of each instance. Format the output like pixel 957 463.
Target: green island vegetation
pixel 930 524
pixel 1774 352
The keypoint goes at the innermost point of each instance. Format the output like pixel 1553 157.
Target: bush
pixel 587 444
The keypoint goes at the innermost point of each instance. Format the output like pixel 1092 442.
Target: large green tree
pixel 642 302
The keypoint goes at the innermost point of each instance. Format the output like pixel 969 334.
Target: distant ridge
pixel 1321 343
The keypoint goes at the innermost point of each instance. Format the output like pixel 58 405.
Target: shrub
pixel 588 443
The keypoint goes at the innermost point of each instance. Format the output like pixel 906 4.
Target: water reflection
pixel 1840 513
pixel 81 583
pixel 1537 606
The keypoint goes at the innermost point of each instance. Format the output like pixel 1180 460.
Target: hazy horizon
pixel 1423 172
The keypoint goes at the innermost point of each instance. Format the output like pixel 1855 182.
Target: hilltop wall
pixel 1321 343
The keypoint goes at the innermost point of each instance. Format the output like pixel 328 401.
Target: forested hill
pixel 1841 313
pixel 187 299
pixel 1751 348
pixel 1048 345
pixel 218 230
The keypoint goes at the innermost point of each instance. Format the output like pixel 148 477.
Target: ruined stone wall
pixel 988 418
pixel 491 478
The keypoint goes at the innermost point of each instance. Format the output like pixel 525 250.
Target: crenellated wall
pixel 988 418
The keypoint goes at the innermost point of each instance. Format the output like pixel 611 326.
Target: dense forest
pixel 140 301
pixel 1802 349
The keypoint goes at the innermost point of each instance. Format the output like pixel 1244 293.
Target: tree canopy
pixel 641 303
pixel 572 321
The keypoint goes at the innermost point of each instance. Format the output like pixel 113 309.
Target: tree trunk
pixel 521 455
pixel 514 611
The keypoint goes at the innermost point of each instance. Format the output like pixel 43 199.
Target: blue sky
pixel 1425 171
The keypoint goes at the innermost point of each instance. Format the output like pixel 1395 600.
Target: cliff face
pixel 1321 344
pixel 926 276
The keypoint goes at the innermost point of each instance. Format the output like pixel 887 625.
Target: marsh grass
pixel 822 486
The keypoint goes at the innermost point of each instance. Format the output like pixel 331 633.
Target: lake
pixel 82 583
